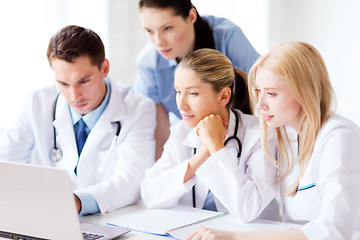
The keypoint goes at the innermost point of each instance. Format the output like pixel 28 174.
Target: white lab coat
pixel 244 189
pixel 115 185
pixel 330 210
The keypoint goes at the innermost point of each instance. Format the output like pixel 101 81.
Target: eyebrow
pixel 168 23
pixel 271 88
pixel 189 87
pixel 267 88
pixel 79 80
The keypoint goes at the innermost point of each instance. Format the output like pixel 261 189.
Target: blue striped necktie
pixel 81 135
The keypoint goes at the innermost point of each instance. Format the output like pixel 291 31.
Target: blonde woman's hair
pixel 215 68
pixel 301 66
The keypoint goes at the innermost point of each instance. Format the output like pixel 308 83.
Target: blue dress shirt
pixel 155 74
pixel 88 202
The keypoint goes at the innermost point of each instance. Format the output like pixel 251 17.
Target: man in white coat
pixel 100 131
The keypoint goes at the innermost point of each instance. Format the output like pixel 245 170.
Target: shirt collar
pixel 165 64
pixel 91 118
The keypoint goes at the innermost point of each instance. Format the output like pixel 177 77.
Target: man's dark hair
pixel 72 42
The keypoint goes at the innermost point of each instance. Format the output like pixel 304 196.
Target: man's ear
pixel 224 96
pixel 105 67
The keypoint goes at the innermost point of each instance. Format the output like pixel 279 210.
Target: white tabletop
pixel 104 219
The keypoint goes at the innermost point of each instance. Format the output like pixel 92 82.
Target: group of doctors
pixel 116 144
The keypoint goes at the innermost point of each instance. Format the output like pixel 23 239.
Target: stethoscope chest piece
pixel 55 154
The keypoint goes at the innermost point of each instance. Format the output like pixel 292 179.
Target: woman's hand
pixel 204 233
pixel 212 131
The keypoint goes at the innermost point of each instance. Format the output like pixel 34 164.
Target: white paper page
pixel 159 221
pixel 228 223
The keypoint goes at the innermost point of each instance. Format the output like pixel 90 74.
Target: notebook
pixel 181 221
pixel 37 203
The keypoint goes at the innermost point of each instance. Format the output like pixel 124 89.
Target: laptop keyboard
pixel 91 236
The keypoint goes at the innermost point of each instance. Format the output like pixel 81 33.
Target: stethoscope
pixel 234 136
pixel 56 153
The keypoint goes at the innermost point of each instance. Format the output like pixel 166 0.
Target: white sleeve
pixel 339 176
pixel 244 194
pixel 17 142
pixel 164 184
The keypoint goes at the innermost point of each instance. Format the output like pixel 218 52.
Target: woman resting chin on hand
pixel 319 167
pixel 212 111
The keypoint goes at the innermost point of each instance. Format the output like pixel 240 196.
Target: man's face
pixel 81 83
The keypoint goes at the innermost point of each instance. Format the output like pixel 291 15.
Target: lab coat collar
pixel 62 115
pixel 114 111
pixel 65 131
pixel 192 140
pixel 231 124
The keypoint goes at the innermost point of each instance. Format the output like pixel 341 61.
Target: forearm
pixel 195 162
pixel 212 234
pixel 293 234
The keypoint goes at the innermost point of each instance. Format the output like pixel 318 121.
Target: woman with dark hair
pixel 175 29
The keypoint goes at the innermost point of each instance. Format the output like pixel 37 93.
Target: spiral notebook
pixel 165 221
pixel 181 221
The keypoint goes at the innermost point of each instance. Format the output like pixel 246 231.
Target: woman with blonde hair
pixel 213 158
pixel 319 167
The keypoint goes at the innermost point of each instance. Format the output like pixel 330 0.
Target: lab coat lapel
pixel 232 144
pixel 192 140
pixel 101 136
pixel 65 134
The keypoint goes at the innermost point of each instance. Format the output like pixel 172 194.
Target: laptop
pixel 37 203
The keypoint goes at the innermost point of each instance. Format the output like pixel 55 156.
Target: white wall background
pixel 333 26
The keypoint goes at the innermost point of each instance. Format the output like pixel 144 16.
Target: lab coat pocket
pixel 307 199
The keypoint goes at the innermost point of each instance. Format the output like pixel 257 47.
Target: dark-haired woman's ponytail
pixel 203 34
pixel 240 98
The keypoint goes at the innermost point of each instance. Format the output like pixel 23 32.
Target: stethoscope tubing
pixel 56 153
pixel 234 136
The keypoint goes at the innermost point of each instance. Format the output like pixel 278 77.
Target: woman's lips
pixel 186 116
pixel 165 52
pixel 267 117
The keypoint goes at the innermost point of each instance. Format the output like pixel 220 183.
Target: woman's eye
pixel 167 28
pixel 271 94
pixel 193 94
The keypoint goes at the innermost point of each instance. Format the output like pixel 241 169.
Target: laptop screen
pixel 37 203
